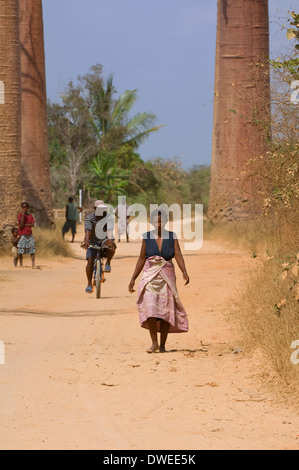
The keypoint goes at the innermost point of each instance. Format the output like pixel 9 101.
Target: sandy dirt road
pixel 76 374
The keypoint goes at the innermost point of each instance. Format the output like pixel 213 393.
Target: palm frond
pixel 123 106
pixel 140 122
pixel 137 139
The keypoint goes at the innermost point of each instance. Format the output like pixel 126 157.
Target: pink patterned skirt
pixel 158 296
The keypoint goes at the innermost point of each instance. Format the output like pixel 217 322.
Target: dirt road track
pixel 77 375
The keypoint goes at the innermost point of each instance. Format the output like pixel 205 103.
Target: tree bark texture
pixel 35 153
pixel 241 107
pixel 10 117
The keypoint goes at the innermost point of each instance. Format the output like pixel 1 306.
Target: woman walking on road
pixel 159 306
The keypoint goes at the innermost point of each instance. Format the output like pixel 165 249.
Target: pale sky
pixel 163 48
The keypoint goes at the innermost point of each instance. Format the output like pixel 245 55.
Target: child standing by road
pixel 26 245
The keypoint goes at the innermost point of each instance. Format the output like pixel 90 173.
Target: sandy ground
pixel 77 376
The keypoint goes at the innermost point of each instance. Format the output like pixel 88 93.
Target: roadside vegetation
pixel 269 307
pixel 49 242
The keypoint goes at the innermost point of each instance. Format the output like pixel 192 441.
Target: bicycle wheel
pixel 98 279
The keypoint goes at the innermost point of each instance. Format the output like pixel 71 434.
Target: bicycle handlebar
pixel 96 247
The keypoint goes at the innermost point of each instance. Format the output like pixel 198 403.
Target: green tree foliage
pixel 91 123
pixel 164 181
pixel 293 32
pixel 198 179
pixel 107 179
pixel 289 66
pixel 72 139
pixel 93 140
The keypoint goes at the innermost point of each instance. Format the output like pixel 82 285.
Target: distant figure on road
pixel 15 240
pixel 26 244
pixel 91 221
pixel 71 215
pixel 122 212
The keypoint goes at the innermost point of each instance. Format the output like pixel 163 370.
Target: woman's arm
pixel 180 260
pixel 32 223
pixel 85 243
pixel 22 218
pixel 139 266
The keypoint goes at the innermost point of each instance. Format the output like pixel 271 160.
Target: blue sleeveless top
pixel 167 250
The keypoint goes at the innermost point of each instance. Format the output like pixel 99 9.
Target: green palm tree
pixel 93 138
pixel 107 179
pixel 138 127
pixel 111 117
pixel 118 133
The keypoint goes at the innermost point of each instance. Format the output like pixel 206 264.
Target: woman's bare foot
pixel 154 347
pixel 162 349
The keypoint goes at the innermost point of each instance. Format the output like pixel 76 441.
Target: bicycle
pixel 98 271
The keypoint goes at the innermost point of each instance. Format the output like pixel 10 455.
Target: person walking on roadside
pixel 71 215
pixel 159 305
pixel 26 244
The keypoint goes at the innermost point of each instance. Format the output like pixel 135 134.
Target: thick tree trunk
pixel 241 107
pixel 35 154
pixel 10 117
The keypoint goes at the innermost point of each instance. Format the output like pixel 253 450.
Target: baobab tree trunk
pixel 10 117
pixel 241 107
pixel 35 154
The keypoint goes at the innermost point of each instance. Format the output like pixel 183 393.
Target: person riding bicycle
pixel 107 241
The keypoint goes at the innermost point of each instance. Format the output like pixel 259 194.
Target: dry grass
pixel 238 235
pixel 263 237
pixel 49 242
pixel 267 308
pixel 269 317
